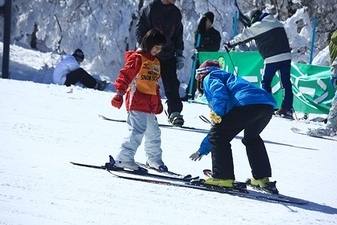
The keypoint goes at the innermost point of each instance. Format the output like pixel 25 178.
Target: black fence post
pixel 6 39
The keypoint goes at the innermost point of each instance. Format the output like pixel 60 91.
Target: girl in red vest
pixel 138 80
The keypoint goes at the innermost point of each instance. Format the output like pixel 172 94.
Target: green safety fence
pixel 310 84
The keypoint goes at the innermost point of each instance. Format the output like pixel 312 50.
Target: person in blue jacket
pixel 236 105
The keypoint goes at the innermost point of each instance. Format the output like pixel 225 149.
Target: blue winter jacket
pixel 225 91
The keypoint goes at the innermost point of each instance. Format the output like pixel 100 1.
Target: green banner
pixel 311 88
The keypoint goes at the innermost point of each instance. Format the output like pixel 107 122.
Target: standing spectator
pixel 210 39
pixel 138 79
pixel 68 72
pixel 236 105
pixel 273 45
pixel 165 16
pixel 331 128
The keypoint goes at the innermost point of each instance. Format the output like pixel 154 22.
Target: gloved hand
pixel 160 108
pixel 215 118
pixel 196 156
pixel 117 101
pixel 333 82
pixel 227 46
pixel 180 59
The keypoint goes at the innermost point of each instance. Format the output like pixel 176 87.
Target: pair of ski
pixel 170 126
pixel 305 132
pixel 154 174
pixel 188 181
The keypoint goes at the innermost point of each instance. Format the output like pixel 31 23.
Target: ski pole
pixel 230 58
pixel 190 94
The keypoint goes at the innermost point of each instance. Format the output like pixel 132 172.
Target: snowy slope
pixel 43 128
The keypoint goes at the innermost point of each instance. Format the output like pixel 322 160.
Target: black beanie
pixel 255 16
pixel 78 54
pixel 210 16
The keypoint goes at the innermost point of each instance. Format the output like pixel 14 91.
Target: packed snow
pixel 45 126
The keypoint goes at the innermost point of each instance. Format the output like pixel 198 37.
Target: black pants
pixel 80 75
pixel 269 73
pixel 252 119
pixel 171 85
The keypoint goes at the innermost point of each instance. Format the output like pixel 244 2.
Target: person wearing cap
pixel 273 45
pixel 210 39
pixel 68 72
pixel 236 105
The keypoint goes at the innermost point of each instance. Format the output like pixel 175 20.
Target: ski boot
pixel 263 184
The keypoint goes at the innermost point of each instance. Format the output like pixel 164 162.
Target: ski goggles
pixel 202 72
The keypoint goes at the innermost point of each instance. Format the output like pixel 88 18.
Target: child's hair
pixel 153 37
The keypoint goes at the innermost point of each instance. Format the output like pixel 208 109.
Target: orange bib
pixel 147 78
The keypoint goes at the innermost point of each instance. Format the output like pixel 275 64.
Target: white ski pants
pixel 142 124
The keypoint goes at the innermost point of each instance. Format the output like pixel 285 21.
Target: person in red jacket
pixel 138 79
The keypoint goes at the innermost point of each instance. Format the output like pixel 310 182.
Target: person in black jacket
pixel 273 45
pixel 165 16
pixel 210 39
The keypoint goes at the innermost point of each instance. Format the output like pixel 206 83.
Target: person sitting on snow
pixel 68 72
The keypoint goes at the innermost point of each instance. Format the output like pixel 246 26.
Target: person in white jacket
pixel 273 45
pixel 69 72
